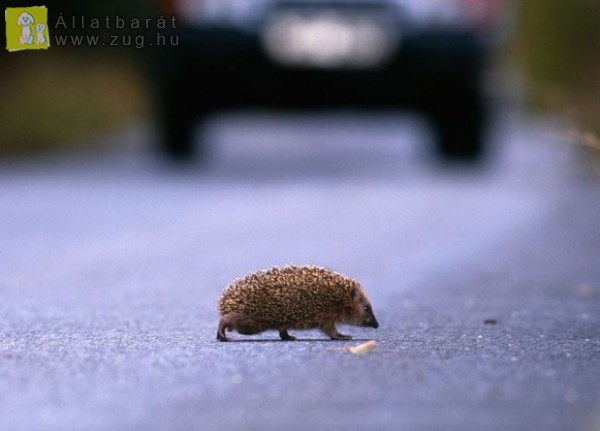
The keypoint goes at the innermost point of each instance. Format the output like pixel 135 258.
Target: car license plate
pixel 328 40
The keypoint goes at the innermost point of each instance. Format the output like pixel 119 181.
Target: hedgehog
pixel 293 297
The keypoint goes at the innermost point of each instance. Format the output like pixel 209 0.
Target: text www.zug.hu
pixel 123 40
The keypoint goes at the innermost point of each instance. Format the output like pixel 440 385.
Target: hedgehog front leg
pixel 330 330
pixel 285 336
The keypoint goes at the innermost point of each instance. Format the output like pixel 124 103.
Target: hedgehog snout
pixel 373 323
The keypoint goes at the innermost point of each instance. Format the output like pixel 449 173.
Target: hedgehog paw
pixel 285 336
pixel 222 338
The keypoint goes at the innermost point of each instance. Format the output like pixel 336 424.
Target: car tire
pixel 177 137
pixel 460 123
pixel 178 111
pixel 178 122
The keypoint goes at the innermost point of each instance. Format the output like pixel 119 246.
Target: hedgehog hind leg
pixel 223 326
pixel 283 334
pixel 241 323
pixel 232 322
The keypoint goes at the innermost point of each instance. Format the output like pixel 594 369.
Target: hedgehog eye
pixel 367 308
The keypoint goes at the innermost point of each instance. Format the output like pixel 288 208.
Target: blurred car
pixel 425 55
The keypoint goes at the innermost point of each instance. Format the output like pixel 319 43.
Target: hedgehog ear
pixel 355 294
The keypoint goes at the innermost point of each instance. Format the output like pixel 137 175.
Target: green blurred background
pixel 557 48
pixel 59 98
pixel 56 99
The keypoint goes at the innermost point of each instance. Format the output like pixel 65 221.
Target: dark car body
pixel 313 54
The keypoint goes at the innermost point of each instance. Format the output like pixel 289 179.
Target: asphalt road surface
pixel 486 282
